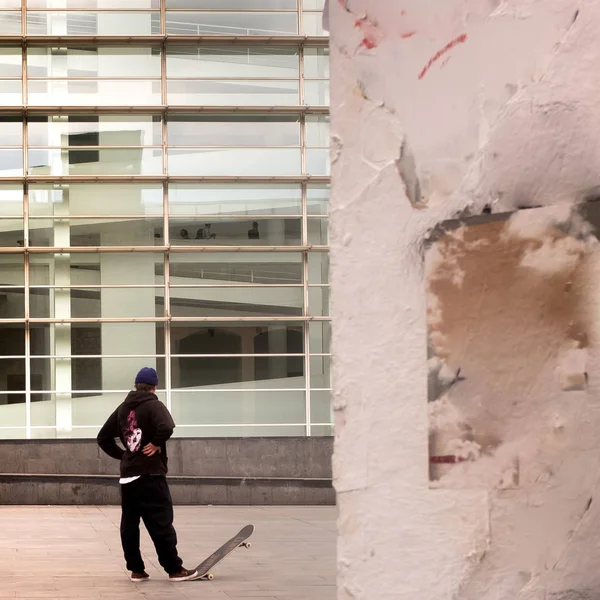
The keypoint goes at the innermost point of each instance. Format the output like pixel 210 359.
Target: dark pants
pixel 149 498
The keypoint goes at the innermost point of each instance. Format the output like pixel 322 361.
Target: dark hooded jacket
pixel 141 419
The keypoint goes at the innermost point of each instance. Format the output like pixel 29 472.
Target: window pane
pixel 111 268
pixel 239 338
pixel 242 130
pixel 236 302
pixel 245 371
pixel 318 268
pixel 95 199
pixel 92 23
pixel 12 304
pixel 224 232
pixel 256 267
pixel 233 4
pixel 90 161
pixel 317 198
pixel 10 23
pixel 12 381
pixel 11 162
pixel 249 199
pixel 318 231
pixel 318 301
pixel 81 374
pixel 10 3
pixel 11 130
pixel 10 62
pixel 317 131
pixel 11 200
pixel 320 373
pixel 316 93
pixel 94 130
pixel 91 303
pixel 11 231
pixel 93 4
pixel 232 92
pixel 231 23
pixel 229 407
pixel 11 93
pixel 224 62
pixel 94 61
pixel 12 273
pixel 321 411
pixel 93 410
pixel 313 23
pixel 320 337
pixel 234 161
pixel 121 339
pixel 317 161
pixel 92 93
pixel 62 233
pixel 313 4
pixel 316 63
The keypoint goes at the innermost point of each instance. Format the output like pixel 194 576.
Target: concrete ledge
pixel 67 489
pixel 288 457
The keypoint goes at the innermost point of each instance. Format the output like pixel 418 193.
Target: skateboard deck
pixel 239 539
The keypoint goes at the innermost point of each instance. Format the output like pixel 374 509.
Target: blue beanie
pixel 147 375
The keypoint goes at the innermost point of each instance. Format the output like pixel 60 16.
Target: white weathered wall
pixel 441 109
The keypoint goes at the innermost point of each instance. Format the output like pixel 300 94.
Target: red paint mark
pixel 368 43
pixel 402 13
pixel 371 34
pixel 407 35
pixel 461 39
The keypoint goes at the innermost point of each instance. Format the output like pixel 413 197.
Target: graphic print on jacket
pixel 133 434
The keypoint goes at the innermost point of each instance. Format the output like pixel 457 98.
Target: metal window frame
pixel 163 42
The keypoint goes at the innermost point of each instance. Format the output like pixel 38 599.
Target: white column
pixel 440 109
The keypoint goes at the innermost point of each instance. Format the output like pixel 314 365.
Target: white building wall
pixel 480 104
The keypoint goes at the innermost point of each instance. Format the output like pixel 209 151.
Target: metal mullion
pixel 100 320
pixel 275 355
pixel 106 147
pixel 290 319
pixel 257 286
pixel 98 217
pixel 181 40
pixel 23 17
pixel 167 331
pixel 90 10
pixel 306 331
pixel 218 217
pixel 103 78
pixel 231 10
pixel 300 9
pixel 173 249
pixel 67 356
pixel 93 287
pixel 176 109
pixel 196 78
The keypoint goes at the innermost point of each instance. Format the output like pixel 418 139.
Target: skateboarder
pixel 144 425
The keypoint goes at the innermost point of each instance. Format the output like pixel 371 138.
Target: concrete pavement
pixel 75 552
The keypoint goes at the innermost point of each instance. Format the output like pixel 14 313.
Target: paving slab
pixel 75 552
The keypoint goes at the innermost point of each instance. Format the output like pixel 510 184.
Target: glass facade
pixel 164 186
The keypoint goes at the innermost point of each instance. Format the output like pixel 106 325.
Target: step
pixel 68 489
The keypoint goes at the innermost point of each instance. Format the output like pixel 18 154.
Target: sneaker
pixel 143 576
pixel 183 575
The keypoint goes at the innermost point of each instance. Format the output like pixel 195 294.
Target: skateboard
pixel 239 540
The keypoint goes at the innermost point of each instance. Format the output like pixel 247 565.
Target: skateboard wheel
pixel 245 545
pixel 210 576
